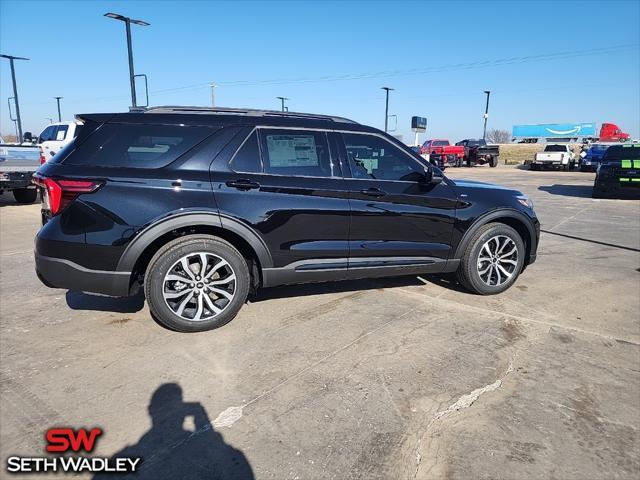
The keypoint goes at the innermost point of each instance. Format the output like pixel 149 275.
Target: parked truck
pixel 17 165
pixel 568 132
pixel 556 156
pixel 477 152
pixel 442 153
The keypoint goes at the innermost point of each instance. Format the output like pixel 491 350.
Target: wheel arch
pixel 139 252
pixel 515 219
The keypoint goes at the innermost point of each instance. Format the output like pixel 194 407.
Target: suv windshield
pixel 440 143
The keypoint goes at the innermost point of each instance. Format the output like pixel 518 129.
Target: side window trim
pixel 343 148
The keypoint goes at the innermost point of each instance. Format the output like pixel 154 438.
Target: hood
pixel 473 189
pixel 473 184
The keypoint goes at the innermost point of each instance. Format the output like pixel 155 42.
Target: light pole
pixel 386 108
pixel 486 115
pixel 58 100
pixel 128 21
pixel 15 92
pixel 282 100
pixel 50 119
pixel 213 94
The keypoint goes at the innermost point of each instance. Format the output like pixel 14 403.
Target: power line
pixel 413 71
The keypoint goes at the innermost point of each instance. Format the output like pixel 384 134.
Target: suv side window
pixel 247 158
pixel 136 145
pixel 296 152
pixel 372 157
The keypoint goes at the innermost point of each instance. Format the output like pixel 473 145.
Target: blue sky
pixel 78 54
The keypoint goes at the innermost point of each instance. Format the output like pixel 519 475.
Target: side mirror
pixel 432 176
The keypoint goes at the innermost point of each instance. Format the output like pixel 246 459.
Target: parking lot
pixel 392 378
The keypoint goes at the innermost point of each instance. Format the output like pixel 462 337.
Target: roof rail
pixel 237 111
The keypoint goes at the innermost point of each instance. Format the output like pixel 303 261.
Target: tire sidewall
pixel 474 276
pixel 166 258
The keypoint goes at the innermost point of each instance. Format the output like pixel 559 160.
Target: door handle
pixel 243 184
pixel 373 192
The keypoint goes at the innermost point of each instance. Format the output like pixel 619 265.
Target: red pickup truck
pixel 442 153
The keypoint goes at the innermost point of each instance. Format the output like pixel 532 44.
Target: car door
pixel 397 219
pixel 287 186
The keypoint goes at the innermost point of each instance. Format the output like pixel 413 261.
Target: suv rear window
pixel 555 148
pixel 137 146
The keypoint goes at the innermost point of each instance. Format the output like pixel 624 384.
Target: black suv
pixel 202 206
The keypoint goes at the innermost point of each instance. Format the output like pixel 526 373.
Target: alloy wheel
pixel 498 260
pixel 199 286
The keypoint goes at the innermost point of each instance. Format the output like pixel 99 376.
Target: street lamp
pixel 15 92
pixel 386 108
pixel 58 100
pixel 282 100
pixel 486 115
pixel 213 94
pixel 128 21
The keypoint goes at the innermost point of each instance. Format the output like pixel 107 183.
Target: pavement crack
pixel 464 401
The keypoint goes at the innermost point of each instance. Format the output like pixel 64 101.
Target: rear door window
pixel 296 153
pixel 137 146
pixel 247 158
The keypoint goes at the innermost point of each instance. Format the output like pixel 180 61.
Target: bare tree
pixel 496 135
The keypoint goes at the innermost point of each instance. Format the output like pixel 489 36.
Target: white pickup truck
pixel 18 162
pixel 561 156
pixel 56 136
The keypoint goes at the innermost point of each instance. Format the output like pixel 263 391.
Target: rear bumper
pixel 13 180
pixel 61 273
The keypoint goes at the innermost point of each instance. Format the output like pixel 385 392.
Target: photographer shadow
pixel 169 451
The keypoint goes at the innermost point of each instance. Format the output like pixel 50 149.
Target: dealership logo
pixel 69 441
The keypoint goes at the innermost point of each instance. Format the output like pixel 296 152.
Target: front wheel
pixel 196 283
pixel 493 162
pixel 492 260
pixel 25 195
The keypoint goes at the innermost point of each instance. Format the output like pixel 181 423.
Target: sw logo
pixel 64 440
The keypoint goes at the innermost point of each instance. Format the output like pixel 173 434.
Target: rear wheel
pixel 196 283
pixel 492 260
pixel 25 195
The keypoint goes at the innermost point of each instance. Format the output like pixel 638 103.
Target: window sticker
pixel 292 151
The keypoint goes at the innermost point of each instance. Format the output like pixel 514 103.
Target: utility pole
pixel 486 115
pixel 386 108
pixel 58 100
pixel 213 94
pixel 128 21
pixel 282 100
pixel 15 92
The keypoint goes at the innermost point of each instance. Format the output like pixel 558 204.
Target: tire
pixel 25 195
pixel 168 261
pixel 493 162
pixel 470 271
pixel 565 168
pixel 534 166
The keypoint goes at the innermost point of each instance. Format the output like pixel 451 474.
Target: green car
pixel 619 173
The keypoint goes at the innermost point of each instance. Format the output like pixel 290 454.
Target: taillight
pixel 43 159
pixel 62 192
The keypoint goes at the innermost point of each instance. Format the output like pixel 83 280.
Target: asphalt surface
pixel 396 378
